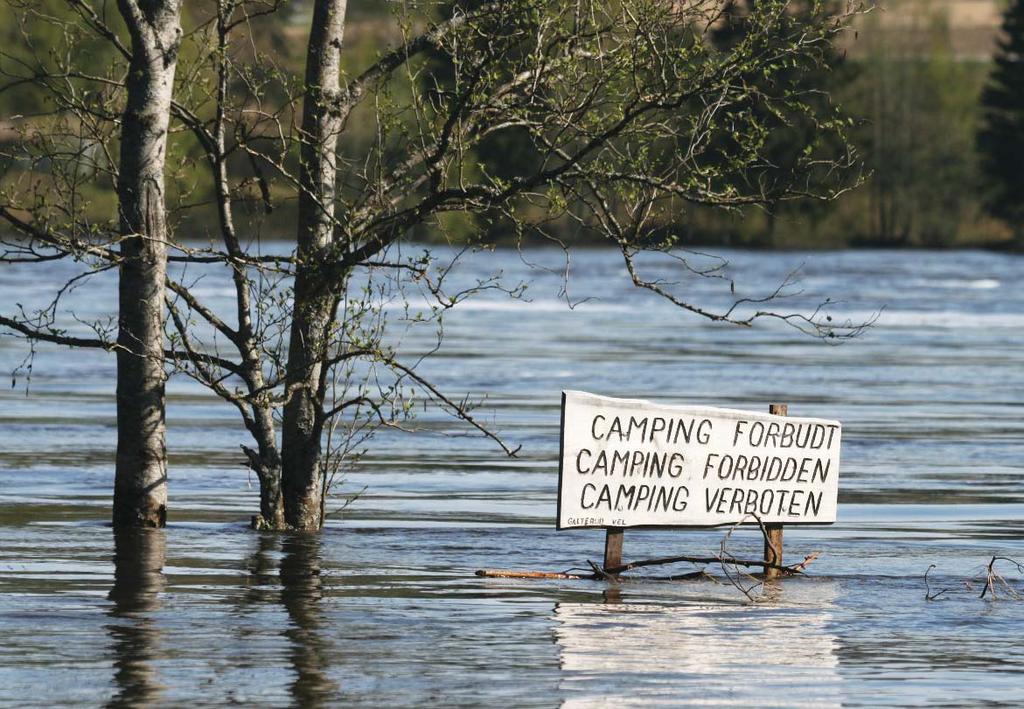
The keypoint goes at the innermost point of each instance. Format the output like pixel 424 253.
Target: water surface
pixel 383 608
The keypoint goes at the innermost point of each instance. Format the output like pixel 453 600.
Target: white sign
pixel 632 463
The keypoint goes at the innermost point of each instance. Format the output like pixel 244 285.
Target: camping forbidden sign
pixel 632 463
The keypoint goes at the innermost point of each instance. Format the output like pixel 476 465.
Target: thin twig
pixel 928 595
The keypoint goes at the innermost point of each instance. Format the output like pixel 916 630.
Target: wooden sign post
pixel 773 531
pixel 627 463
pixel 613 548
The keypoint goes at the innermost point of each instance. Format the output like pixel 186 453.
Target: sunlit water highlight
pixel 383 609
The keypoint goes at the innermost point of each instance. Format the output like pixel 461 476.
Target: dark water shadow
pixel 261 572
pixel 139 557
pixel 301 594
pixel 295 582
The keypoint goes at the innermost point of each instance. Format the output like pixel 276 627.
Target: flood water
pixel 383 608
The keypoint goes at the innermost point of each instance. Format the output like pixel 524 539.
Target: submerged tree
pixel 629 114
pixel 140 485
pixel 1001 136
pixel 318 286
pixel 77 132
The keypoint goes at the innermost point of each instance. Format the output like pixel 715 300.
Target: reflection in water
pixel 300 594
pixel 262 572
pixel 139 556
pixel 630 653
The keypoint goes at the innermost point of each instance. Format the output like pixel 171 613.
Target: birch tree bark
pixel 140 486
pixel 314 303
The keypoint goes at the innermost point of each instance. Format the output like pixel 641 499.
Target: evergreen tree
pixel 1001 136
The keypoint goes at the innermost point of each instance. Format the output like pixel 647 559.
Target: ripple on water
pixel 384 609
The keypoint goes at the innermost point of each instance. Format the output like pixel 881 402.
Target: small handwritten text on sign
pixel 632 463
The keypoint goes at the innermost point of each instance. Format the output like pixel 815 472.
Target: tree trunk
pixel 140 486
pixel 266 462
pixel 312 311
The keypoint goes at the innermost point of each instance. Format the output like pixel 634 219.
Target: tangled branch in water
pixel 994 582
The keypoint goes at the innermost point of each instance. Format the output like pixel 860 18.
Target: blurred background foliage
pixel 910 74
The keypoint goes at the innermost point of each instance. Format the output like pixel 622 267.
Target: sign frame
pixel 683 525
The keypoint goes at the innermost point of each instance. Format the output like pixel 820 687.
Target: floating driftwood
pixel 615 572
pixel 514 574
pixel 714 559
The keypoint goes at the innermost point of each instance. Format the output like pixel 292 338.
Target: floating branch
pixel 714 559
pixel 600 574
pixel 596 576
pixel 513 574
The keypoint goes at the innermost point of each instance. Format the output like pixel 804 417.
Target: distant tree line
pixel 935 134
pixel 941 137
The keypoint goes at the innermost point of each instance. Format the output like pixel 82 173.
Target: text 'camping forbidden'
pixel 631 463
